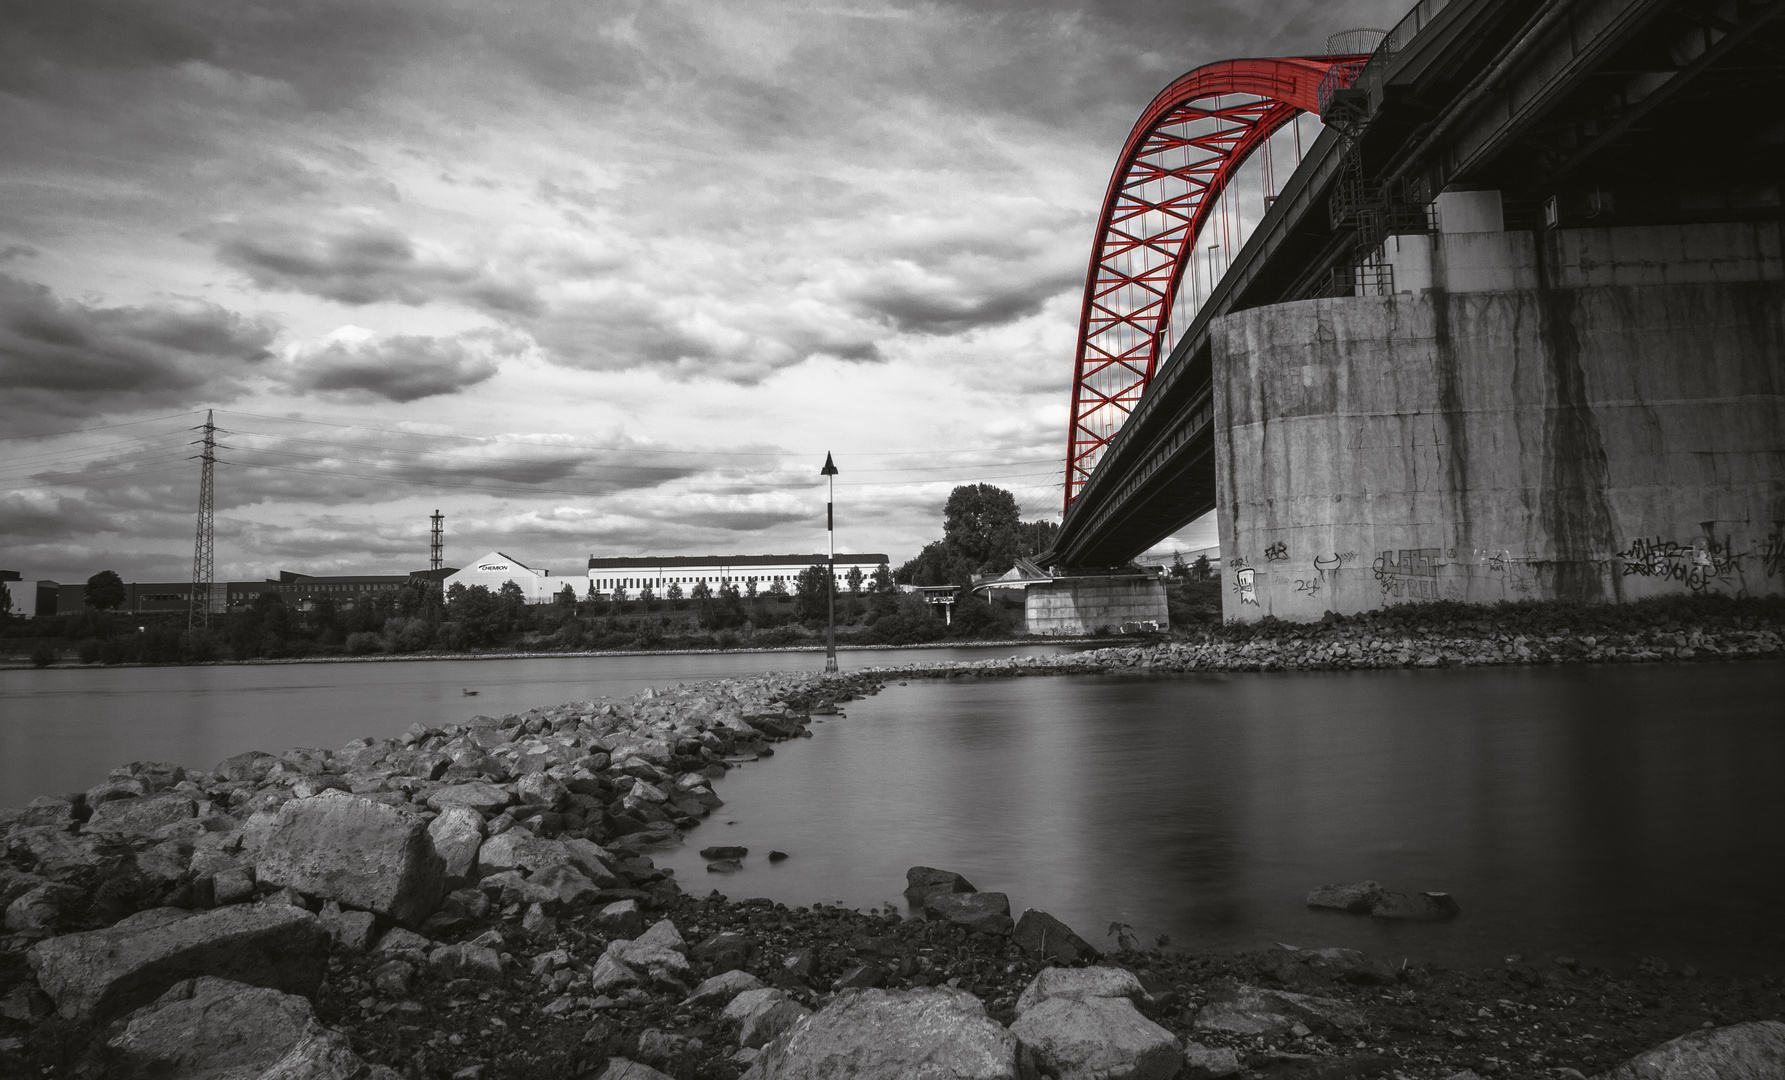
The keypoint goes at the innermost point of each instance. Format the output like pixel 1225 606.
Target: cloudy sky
pixel 590 277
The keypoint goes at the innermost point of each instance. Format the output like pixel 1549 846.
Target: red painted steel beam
pixel 1152 213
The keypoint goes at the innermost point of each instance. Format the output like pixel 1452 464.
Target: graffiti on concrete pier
pixel 1772 553
pixel 1704 562
pixel 1245 583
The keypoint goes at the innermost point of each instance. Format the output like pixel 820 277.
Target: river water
pixel 63 729
pixel 1605 813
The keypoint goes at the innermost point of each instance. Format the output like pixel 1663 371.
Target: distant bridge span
pixel 1166 184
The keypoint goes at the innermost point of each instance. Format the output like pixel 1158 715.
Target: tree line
pixel 983 533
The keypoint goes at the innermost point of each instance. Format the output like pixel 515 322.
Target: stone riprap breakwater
pixel 1362 643
pixel 480 901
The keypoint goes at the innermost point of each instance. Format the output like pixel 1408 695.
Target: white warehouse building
pixel 495 569
pixel 658 573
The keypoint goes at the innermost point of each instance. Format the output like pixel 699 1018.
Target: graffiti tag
pixel 1697 565
pixel 1412 562
pixel 1248 589
pixel 1772 554
pixel 1277 552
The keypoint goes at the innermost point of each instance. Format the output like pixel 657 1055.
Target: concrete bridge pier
pixel 1584 414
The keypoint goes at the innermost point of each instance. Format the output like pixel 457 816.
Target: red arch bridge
pixel 1176 167
pixel 1490 276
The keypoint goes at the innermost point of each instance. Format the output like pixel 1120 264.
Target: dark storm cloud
pixel 405 367
pixel 62 358
pixel 28 516
pixel 366 264
pixel 333 50
pixel 267 462
pixel 45 39
pixel 950 308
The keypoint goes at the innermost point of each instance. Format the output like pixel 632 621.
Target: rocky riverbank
pixel 480 901
pixel 1452 635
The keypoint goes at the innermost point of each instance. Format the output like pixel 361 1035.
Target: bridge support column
pixel 1079 605
pixel 1596 415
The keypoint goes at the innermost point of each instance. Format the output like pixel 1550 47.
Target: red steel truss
pixel 1181 155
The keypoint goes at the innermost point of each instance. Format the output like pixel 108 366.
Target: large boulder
pixel 981 912
pixel 659 952
pixel 154 775
pixel 934 1033
pixel 921 881
pixel 457 833
pixel 1423 907
pixel 518 849
pixel 142 816
pixel 1751 1051
pixel 102 973
pixel 360 853
pixel 1079 984
pixel 57 853
pixel 1212 1062
pixel 42 907
pixel 718 991
pixel 477 795
pixel 1047 938
pixel 1338 965
pixel 50 811
pixel 1356 899
pixel 1249 1010
pixel 251 766
pixel 1099 1038
pixel 762 1015
pixel 214 1029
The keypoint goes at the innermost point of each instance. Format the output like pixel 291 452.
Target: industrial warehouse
pixel 659 572
pixel 301 591
pixel 491 570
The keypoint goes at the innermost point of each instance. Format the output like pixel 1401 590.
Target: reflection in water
pixel 63 729
pixel 1604 813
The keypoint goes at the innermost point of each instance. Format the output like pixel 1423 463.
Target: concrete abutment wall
pixel 1077 606
pixel 1596 415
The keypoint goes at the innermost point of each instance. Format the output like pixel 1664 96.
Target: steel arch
pixel 1149 224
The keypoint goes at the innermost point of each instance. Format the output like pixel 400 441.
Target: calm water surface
pixel 1604 813
pixel 63 729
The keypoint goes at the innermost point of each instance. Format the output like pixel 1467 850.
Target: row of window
pixel 387 586
pixel 657 582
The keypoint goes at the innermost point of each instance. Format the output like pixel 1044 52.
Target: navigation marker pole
pixel 830 577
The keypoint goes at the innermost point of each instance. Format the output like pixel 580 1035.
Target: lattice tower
pixel 198 609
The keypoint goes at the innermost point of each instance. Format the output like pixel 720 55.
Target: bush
pixel 43 654
pixel 405 635
pixel 364 643
pixel 974 617
pixel 909 624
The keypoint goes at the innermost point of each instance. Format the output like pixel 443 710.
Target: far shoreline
pixel 585 654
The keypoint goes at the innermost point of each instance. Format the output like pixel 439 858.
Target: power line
pixel 99 427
